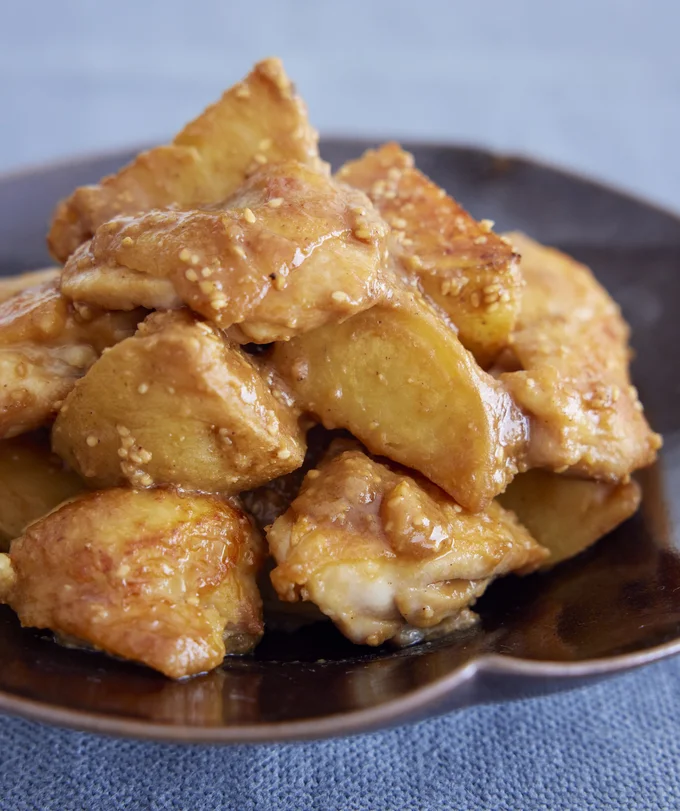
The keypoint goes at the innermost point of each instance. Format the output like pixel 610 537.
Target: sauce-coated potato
pixel 178 404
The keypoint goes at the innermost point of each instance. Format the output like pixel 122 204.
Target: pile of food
pixel 254 380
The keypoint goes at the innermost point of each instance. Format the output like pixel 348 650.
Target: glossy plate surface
pixel 613 608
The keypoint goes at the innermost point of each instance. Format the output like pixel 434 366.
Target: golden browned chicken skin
pixel 470 272
pixel 260 120
pixel 389 556
pixel 572 345
pixel 46 344
pixel 178 404
pixel 154 576
pixel 290 251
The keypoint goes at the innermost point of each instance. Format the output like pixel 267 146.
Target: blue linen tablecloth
pixel 611 746
pixel 593 84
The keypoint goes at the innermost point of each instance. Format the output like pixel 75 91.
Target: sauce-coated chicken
pixel 388 556
pixel 46 345
pixel 572 345
pixel 290 251
pixel 257 121
pixel 11 285
pixel 155 576
pixel 470 272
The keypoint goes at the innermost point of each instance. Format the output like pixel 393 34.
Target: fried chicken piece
pixel 33 481
pixel 178 404
pixel 398 378
pixel 470 272
pixel 568 515
pixel 11 285
pixel 155 576
pixel 572 344
pixel 290 251
pixel 388 556
pixel 46 344
pixel 257 121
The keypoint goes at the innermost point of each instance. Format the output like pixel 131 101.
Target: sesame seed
pixel 479 240
pixel 486 225
pixel 284 453
pixel 265 144
pixel 218 303
pixel 206 272
pixel 206 287
pixel 195 259
pixel 275 202
pixel 122 430
pixel 475 299
pixel 260 159
pixel 242 91
pixel 399 222
pixel 123 453
pixel 249 216
pixel 313 474
pixel 340 297
pixel 362 233
pixel 191 275
pixel 184 255
pixel 145 456
pixel 143 388
pixel 146 480
pixel 374 425
pixel 127 241
pixel 415 262
pixel 92 441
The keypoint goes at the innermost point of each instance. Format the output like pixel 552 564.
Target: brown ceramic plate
pixel 613 608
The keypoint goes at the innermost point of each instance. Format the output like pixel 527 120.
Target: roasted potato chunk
pixel 33 481
pixel 46 344
pixel 178 404
pixel 568 515
pixel 155 576
pixel 290 251
pixel 257 121
pixel 572 345
pixel 470 272
pixel 11 285
pixel 388 556
pixel 398 378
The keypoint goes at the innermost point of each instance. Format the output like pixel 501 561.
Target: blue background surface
pixel 590 84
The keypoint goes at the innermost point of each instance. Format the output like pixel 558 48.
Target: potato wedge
pixel 178 404
pixel 572 345
pixel 568 515
pixel 46 344
pixel 11 285
pixel 398 378
pixel 257 121
pixel 33 481
pixel 390 556
pixel 470 272
pixel 155 576
pixel 290 251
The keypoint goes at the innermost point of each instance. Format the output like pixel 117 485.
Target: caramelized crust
pixel 568 515
pixel 257 121
pixel 572 344
pixel 46 344
pixel 178 404
pixel 290 251
pixel 470 272
pixel 386 555
pixel 161 578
